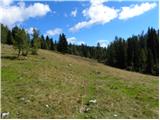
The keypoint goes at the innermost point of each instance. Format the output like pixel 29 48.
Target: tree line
pixel 138 53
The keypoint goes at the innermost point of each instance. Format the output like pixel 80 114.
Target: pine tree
pixel 52 44
pixel 142 60
pixel 43 42
pixel 62 44
pixel 48 44
pixel 9 38
pixel 26 46
pixel 149 68
pixel 20 41
pixel 4 33
pixel 98 51
pixel 130 54
pixel 35 42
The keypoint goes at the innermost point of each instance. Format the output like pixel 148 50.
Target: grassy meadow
pixel 53 85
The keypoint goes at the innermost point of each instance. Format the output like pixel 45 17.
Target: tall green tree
pixel 52 47
pixel 149 68
pixel 62 44
pixel 9 38
pixel 35 42
pixel 4 33
pixel 43 42
pixel 26 46
pixel 142 60
pixel 20 41
pixel 48 43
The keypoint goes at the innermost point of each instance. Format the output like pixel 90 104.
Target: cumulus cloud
pixel 135 10
pixel 74 13
pixel 103 43
pixel 5 2
pixel 30 30
pixel 97 13
pixel 53 32
pixel 12 14
pixel 72 40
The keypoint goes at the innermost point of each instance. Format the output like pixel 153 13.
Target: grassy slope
pixel 63 82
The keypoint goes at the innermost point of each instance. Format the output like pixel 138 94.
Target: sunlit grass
pixel 52 85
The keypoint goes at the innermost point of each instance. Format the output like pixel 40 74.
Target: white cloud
pixel 74 13
pixel 135 10
pixel 30 30
pixel 5 2
pixel 13 14
pixel 97 13
pixel 72 40
pixel 103 43
pixel 53 32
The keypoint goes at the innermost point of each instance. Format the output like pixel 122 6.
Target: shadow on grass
pixel 9 57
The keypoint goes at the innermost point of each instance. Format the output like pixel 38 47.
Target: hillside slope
pixel 52 85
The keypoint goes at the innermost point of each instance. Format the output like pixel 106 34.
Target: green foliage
pixel 21 42
pixel 35 42
pixel 142 60
pixel 62 44
pixel 138 53
pixel 26 46
pixel 4 33
pixel 43 42
pixel 9 38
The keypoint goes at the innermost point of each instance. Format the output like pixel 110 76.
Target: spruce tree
pixel 62 44
pixel 35 42
pixel 9 38
pixel 20 41
pixel 4 33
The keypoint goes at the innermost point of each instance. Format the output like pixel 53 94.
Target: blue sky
pixel 88 22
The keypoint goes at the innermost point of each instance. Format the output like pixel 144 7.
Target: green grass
pixel 66 83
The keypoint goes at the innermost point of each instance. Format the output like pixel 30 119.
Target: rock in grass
pixel 93 101
pixel 22 98
pixel 84 109
pixel 47 106
pixel 27 101
pixel 69 64
pixel 4 115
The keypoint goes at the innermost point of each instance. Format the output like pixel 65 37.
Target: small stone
pixel 20 78
pixel 87 109
pixel 27 101
pixel 115 115
pixel 84 109
pixel 93 101
pixel 4 115
pixel 22 99
pixel 47 106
